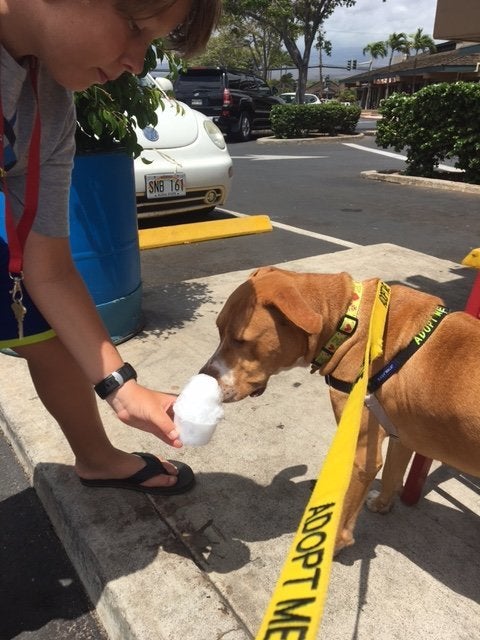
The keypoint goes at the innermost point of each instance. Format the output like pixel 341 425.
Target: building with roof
pixel 452 62
pixel 456 60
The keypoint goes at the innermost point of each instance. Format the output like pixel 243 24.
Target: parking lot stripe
pixel 299 231
pixel 397 156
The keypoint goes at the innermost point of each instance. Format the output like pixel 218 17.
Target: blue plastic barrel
pixel 104 239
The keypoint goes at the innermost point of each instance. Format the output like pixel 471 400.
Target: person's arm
pixel 60 294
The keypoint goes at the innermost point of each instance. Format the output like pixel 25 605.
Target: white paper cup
pixel 194 434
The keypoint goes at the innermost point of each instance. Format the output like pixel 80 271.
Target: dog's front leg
pixel 368 461
pixel 396 462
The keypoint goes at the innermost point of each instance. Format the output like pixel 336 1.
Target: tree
pixel 396 42
pixel 227 48
pixel 244 44
pixel 347 95
pixel 265 48
pixel 323 46
pixel 375 50
pixel 285 84
pixel 420 42
pixel 291 20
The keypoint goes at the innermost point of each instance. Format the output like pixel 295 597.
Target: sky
pixel 351 29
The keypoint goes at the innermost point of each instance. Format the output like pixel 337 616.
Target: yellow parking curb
pixel 199 231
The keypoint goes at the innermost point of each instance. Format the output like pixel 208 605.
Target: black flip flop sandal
pixel 153 467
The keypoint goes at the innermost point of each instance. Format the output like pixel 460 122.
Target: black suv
pixel 237 101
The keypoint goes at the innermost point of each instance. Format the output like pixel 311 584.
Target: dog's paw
pixel 344 539
pixel 377 505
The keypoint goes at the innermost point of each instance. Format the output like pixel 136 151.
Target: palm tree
pixel 420 42
pixel 375 50
pixel 323 46
pixel 396 42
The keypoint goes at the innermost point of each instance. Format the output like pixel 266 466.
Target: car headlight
pixel 214 133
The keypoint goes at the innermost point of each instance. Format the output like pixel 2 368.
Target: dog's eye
pixel 238 342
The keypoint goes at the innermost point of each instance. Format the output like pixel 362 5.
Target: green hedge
pixel 438 122
pixel 301 120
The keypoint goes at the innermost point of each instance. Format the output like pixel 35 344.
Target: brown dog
pixel 278 319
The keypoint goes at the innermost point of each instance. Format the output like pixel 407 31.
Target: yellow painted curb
pixel 199 231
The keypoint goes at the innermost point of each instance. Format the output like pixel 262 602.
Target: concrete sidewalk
pixel 203 566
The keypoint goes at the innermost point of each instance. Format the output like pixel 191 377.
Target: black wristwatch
pixel 115 380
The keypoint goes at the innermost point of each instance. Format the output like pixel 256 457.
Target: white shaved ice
pixel 198 409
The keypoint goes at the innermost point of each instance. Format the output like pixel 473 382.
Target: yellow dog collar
pixel 345 329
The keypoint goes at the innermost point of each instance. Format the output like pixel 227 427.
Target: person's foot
pixel 181 480
pixel 123 465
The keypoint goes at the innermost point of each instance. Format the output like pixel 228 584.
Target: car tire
pixel 245 127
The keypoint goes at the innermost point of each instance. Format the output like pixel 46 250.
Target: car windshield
pixel 199 81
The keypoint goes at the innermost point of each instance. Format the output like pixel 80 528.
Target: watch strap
pixel 115 380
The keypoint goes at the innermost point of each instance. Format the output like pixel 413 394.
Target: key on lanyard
pixel 18 308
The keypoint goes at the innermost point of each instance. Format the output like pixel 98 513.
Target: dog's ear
pixel 292 305
pixel 261 271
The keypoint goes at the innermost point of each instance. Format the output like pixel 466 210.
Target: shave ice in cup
pixel 198 409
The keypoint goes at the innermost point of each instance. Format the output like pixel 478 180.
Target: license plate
pixel 197 102
pixel 170 185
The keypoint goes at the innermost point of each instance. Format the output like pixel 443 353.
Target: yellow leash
pixel 296 607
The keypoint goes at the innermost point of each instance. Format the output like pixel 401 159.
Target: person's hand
pixel 147 410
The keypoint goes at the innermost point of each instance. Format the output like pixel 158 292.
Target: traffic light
pixel 354 64
pixel 349 65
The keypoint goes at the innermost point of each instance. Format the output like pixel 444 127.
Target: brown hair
pixel 189 38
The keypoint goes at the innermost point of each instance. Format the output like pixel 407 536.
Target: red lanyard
pixel 17 234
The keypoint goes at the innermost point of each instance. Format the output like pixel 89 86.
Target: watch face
pixel 117 376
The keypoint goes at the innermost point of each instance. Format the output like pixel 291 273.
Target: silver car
pixel 185 165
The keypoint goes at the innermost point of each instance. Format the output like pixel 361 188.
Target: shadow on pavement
pixel 39 590
pixel 438 535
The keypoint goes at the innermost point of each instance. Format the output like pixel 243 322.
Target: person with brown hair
pixel 49 48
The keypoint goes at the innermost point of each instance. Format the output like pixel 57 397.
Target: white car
pixel 185 164
pixel 291 98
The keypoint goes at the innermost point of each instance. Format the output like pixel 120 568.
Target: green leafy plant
pixel 439 122
pixel 108 114
pixel 300 120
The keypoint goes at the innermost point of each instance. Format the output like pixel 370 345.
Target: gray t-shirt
pixel 58 122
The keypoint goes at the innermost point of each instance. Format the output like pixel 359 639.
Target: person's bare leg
pixel 70 399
